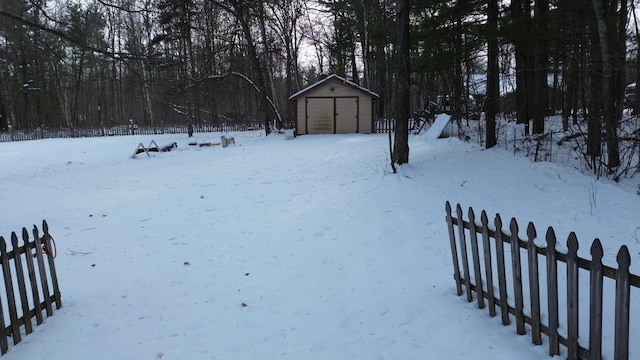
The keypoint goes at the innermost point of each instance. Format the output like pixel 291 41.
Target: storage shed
pixel 334 105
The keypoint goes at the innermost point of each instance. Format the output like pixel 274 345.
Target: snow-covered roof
pixel 338 78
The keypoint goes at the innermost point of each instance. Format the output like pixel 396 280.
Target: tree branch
pixel 245 78
pixel 83 45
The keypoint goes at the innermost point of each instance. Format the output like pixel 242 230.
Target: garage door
pixel 331 115
pixel 320 116
pixel 346 115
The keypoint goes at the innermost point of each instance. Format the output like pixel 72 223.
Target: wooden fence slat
pixel 37 305
pixel 516 269
pixel 623 292
pixel 43 274
pixel 552 292
pixel 595 301
pixel 572 297
pixel 502 278
pixel 476 257
pixel 52 267
pixel 22 289
pixel 534 285
pixel 486 247
pixel 4 345
pixel 454 250
pixel 464 254
pixel 11 299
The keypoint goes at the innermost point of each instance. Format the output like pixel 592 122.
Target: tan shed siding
pixel 366 115
pixel 301 127
pixel 339 90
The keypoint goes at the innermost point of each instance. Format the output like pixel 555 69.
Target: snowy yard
pixel 282 249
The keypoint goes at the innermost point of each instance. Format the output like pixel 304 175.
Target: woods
pixel 105 63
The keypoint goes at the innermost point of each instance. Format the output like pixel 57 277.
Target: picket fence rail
pixel 485 262
pixel 30 282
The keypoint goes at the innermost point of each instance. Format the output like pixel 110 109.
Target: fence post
pixel 621 348
pixel 517 277
pixel 534 285
pixel 52 267
pixel 487 262
pixel 572 297
pixel 476 258
pixel 11 299
pixel 464 253
pixel 502 279
pixel 454 250
pixel 4 345
pixel 552 293
pixel 595 301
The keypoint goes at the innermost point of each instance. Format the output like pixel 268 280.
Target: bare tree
pixel 493 75
pixel 608 36
pixel 400 153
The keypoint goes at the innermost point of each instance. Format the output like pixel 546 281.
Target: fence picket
pixel 622 305
pixel 4 345
pixel 454 250
pixel 37 305
pixel 595 301
pixel 572 297
pixel 502 278
pixel 552 293
pixel 534 285
pixel 476 257
pixel 486 242
pixel 464 254
pixel 11 299
pixel 43 274
pixel 516 269
pixel 22 290
pixel 52 267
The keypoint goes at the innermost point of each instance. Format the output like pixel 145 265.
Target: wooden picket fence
pixel 489 245
pixel 30 282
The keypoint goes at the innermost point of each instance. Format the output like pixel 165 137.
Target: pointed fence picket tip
pixel 531 232
pixel 551 238
pixel 513 226
pixel 498 223
pixel 572 242
pixel 623 257
pixel 596 249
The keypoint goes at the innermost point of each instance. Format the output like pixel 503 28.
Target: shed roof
pixel 337 78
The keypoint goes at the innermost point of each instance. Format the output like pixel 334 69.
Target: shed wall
pixel 334 107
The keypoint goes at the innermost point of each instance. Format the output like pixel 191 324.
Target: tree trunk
pixel 541 88
pixel 594 123
pixel 608 84
pixel 244 20
pixel 521 18
pixel 491 101
pixel 400 153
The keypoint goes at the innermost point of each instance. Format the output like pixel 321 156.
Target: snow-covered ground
pixel 282 249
